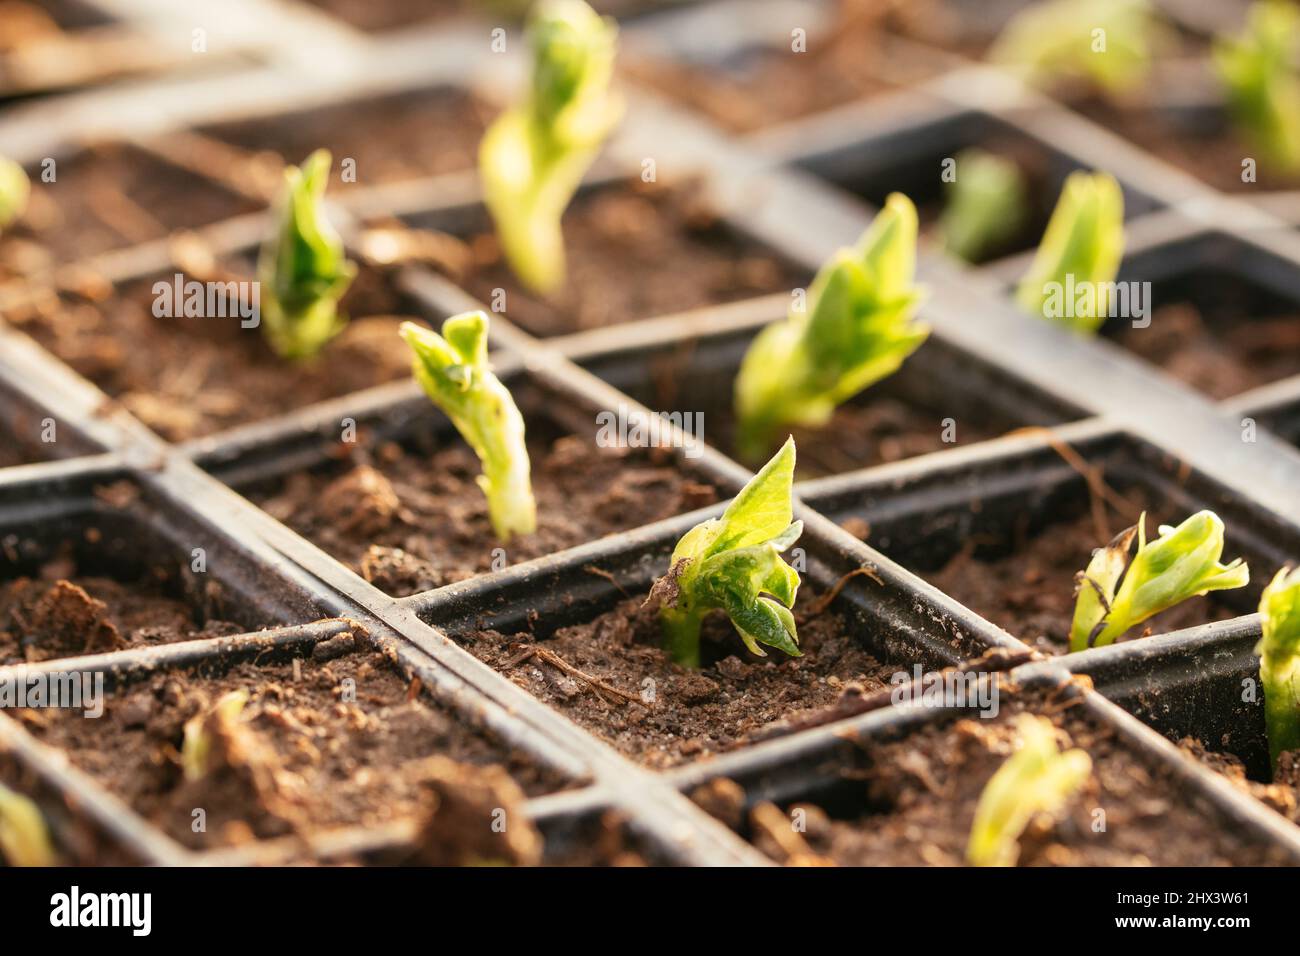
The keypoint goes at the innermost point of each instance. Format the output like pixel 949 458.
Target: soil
pixel 661 714
pixel 1253 352
pixel 1030 592
pixel 408 520
pixel 405 136
pixel 108 196
pixel 1213 152
pixel 665 237
pixel 300 758
pixel 63 614
pixel 1282 793
pixel 187 377
pixel 914 802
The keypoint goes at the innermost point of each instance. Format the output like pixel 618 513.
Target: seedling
pixel 1258 69
pixel 1107 44
pixel 1037 779
pixel 1074 269
pixel 303 270
pixel 1279 662
pixel 24 838
pixel 453 370
pixel 986 205
pixel 1116 595
pixel 734 563
pixel 856 328
pixel 197 745
pixel 15 189
pixel 533 158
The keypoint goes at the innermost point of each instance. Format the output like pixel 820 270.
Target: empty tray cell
pixel 635 250
pixel 1202 691
pixel 941 398
pixel 404 136
pixel 1005 535
pixel 205 371
pixel 402 507
pixel 1224 314
pixel 330 735
pixel 104 197
pixel 919 156
pixel 98 565
pixel 904 792
pixel 29 433
pixel 578 634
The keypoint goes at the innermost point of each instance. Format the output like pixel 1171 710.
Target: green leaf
pixel 533 158
pixel 1182 563
pixel 987 203
pixel 303 270
pixel 196 746
pixel 1258 71
pixel 734 563
pixel 858 328
pixel 454 372
pixel 15 189
pixel 1080 252
pixel 24 837
pixel 1279 661
pixel 1037 779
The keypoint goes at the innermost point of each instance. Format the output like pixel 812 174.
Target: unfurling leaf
pixel 303 269
pixel 24 838
pixel 1037 778
pixel 533 158
pixel 858 328
pixel 734 563
pixel 197 744
pixel 15 189
pixel 1258 69
pixel 453 370
pixel 986 205
pixel 1182 563
pixel 1279 661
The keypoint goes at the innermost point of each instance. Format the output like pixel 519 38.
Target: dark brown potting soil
pixel 635 251
pixel 187 377
pixel 914 803
pixel 109 196
pixel 409 521
pixel 303 758
pixel 660 714
pixel 62 614
pixel 1220 362
pixel 1282 793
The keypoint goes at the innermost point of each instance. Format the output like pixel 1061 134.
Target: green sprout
pixel 533 158
pixel 1106 43
pixel 303 270
pixel 15 189
pixel 986 205
pixel 1074 269
pixel 1116 595
pixel 196 747
pixel 1259 71
pixel 1279 662
pixel 24 838
pixel 734 563
pixel 453 370
pixel 857 327
pixel 1037 779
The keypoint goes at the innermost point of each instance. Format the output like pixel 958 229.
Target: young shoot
pixel 1115 595
pixel 1258 70
pixel 24 838
pixel 734 563
pixel 1037 779
pixel 197 744
pixel 1107 44
pixel 453 370
pixel 1075 266
pixel 856 327
pixel 15 189
pixel 533 158
pixel 986 204
pixel 1279 662
pixel 303 269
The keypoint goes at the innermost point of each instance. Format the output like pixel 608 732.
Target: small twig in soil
pixel 555 660
pixel 823 602
pixel 608 576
